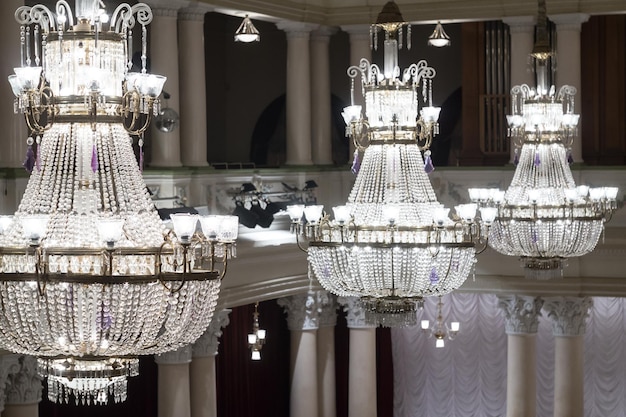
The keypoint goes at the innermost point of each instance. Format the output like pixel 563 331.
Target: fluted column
pixel 9 364
pixel 522 34
pixel 326 354
pixel 321 137
pixel 202 368
pixel 568 62
pixel 298 92
pixel 568 315
pixel 362 362
pixel 521 322
pixel 13 138
pixel 173 383
pixel 23 389
pixel 193 125
pixel 165 147
pixel 303 321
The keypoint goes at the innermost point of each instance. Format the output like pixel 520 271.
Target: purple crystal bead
pixel 428 165
pixel 570 158
pixel 356 163
pixel 94 159
pixel 534 237
pixel 537 160
pixel 434 276
pixel 29 162
pixel 516 158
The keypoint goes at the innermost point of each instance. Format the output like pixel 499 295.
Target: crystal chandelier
pixel 440 330
pixel 393 242
pixel 247 32
pixel 89 275
pixel 544 218
pixel 256 339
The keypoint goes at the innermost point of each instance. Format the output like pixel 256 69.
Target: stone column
pixel 568 315
pixel 568 66
pixel 298 92
pixel 9 364
pixel 13 138
pixel 173 383
pixel 326 378
pixel 321 136
pixel 362 362
pixel 164 51
pixel 303 321
pixel 202 368
pixel 521 322
pixel 522 33
pixel 23 389
pixel 193 125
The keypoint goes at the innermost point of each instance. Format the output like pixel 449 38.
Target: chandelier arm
pixel 298 242
pixel 361 135
pixel 64 9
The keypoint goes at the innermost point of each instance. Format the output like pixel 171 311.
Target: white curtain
pixel 467 378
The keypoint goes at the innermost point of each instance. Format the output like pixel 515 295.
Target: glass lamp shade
pixel 247 32
pixel 611 192
pixel 440 215
pixel 313 213
pixel 570 120
pixel 34 226
pixel 28 77
pixel 252 338
pixel 440 343
pixel 261 334
pixel 256 355
pixel 16 85
pixel 229 228
pixel 455 326
pixel 210 226
pixel 110 230
pixel 150 85
pixel 342 214
pixel 439 38
pixel 467 212
pixel 351 114
pixel 295 212
pixel 131 80
pixel 488 214
pixel 430 114
pixel 184 225
pixel 425 324
pixel 5 222
pixel 597 194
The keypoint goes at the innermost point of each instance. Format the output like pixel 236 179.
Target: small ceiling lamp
pixel 247 32
pixel 440 330
pixel 256 339
pixel 439 37
pixel 544 218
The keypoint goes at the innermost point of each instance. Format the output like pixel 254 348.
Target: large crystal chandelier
pixel 393 242
pixel 544 217
pixel 89 276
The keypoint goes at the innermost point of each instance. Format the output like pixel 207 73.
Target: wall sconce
pixel 247 32
pixel 440 331
pixel 256 339
pixel 439 37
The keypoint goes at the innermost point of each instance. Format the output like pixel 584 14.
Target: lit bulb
pixel 439 343
pixel 256 355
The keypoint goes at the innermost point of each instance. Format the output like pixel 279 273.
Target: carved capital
pixel 24 386
pixel 355 313
pixel 9 364
pixel 521 313
pixel 521 24
pixel 208 343
pixel 302 311
pixel 328 309
pixel 569 21
pixel 296 30
pixel 175 357
pixel 568 314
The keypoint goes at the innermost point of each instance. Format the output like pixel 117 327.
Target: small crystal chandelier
pixel 89 275
pixel 439 37
pixel 256 339
pixel 246 32
pixel 393 242
pixel 440 330
pixel 544 218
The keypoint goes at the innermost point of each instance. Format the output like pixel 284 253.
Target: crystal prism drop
pixel 356 163
pixel 29 162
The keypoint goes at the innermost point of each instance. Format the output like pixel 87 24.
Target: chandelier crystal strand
pixel 392 243
pixel 90 278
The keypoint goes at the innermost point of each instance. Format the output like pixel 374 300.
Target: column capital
pixel 521 313
pixel 175 357
pixel 568 314
pixel 296 29
pixel 302 311
pixel 357 31
pixel 24 387
pixel 207 344
pixel 323 33
pixel 166 7
pixel 194 13
pixel 327 309
pixel 569 21
pixel 520 24
pixel 9 364
pixel 355 313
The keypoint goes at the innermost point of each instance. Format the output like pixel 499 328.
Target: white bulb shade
pixel 440 215
pixel 570 120
pixel 488 214
pixel 391 213
pixel 313 213
pixel 184 225
pixel 150 85
pixel 430 114
pixel 474 194
pixel 295 212
pixel 247 37
pixel 104 18
pixel 251 338
pixel 261 334
pixel 515 120
pixel 596 194
pixel 16 85
pixel 132 79
pixel 256 355
pixel 533 195
pixel 110 230
pixel 455 326
pixel 28 77
pixel 351 114
pixel 611 192
pixel 583 190
pixel 425 324
pixel 439 43
pixel 35 226
pixel 210 226
pixel 467 212
pixel 571 194
pixel 5 222
pixel 440 343
pixel 229 229
pixel 342 214
pixel 497 195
